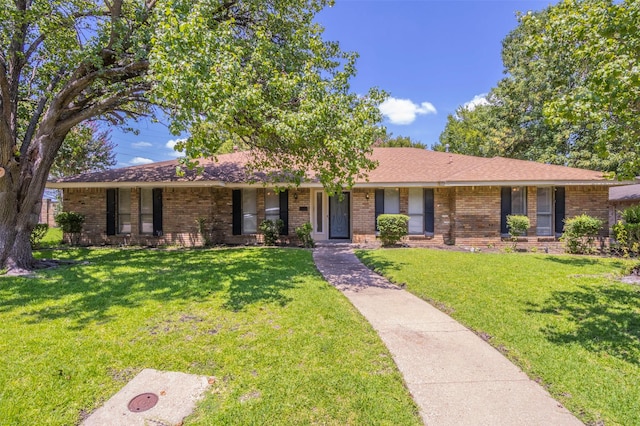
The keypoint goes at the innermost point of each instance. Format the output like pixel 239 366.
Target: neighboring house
pixel 621 197
pixel 450 199
pixel 48 210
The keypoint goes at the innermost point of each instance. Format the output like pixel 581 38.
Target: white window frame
pixel 546 231
pixel 249 211
pixel 391 194
pixel 124 211
pixel 416 211
pixel 271 205
pixel 146 211
pixel 519 206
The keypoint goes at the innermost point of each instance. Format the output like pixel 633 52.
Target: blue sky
pixel 431 56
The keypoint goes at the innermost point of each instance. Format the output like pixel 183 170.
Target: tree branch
pixel 35 118
pixel 130 94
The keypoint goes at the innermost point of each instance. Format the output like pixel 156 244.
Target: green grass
pixel 53 238
pixel 283 346
pixel 565 320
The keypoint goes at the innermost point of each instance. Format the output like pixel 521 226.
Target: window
pixel 271 205
pixel 387 202
pixel 392 201
pixel 119 211
pixel 519 200
pixel 513 200
pixel 244 208
pixel 544 212
pixel 319 211
pixel 416 211
pixel 146 211
pixel 249 211
pixel 124 211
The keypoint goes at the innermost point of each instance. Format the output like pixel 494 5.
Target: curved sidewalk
pixel 454 376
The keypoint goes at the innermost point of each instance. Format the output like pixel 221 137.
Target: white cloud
pixel 141 144
pixel 404 111
pixel 476 102
pixel 172 144
pixel 140 160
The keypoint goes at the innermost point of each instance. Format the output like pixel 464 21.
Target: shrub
pixel 37 234
pixel 631 215
pixel 627 232
pixel 204 231
pixel 580 233
pixel 70 223
pixel 518 226
pixel 271 231
pixel 303 232
pixel 392 228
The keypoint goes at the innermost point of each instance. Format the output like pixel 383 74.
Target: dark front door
pixel 339 216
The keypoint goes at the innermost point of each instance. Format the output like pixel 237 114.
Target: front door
pixel 339 217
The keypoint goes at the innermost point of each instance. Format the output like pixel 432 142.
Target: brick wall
pixel 463 215
pixel 181 209
pixel 591 200
pixel 477 213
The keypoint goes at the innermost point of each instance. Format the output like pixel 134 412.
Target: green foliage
pixel 303 232
pixel 262 73
pixel 398 142
pixel 268 316
pixel 570 95
pixel 256 71
pixel 37 234
pixel 392 227
pixel 271 231
pixel 565 320
pixel 627 232
pixel 518 226
pixel 203 230
pixel 580 233
pixel 70 222
pixel 86 148
pixel 631 214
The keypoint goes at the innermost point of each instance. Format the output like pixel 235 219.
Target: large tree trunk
pixel 21 190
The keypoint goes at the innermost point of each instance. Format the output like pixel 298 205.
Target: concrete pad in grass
pixel 156 397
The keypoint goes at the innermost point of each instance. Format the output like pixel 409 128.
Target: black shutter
pixel 505 209
pixel 379 204
pixel 157 212
pixel 112 206
pixel 236 201
pixel 560 209
pixel 429 211
pixel 284 211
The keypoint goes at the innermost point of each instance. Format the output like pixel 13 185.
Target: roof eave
pixel 129 184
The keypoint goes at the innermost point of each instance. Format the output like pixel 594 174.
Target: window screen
pixel 416 211
pixel 249 211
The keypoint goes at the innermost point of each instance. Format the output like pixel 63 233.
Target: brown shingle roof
pixel 396 166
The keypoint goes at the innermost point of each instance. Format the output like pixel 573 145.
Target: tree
pixel 475 131
pixel 601 39
pixel 85 149
pixel 549 59
pixel 398 142
pixel 254 69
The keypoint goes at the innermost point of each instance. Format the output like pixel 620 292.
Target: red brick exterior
pixel 467 216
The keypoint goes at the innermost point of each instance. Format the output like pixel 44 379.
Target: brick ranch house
pixel 450 199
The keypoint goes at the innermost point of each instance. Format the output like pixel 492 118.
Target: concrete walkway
pixel 454 376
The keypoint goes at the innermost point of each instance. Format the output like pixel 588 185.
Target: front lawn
pixel 565 320
pixel 281 345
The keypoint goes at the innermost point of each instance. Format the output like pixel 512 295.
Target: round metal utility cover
pixel 143 402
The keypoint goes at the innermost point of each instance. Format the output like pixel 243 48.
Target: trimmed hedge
pixel 392 227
